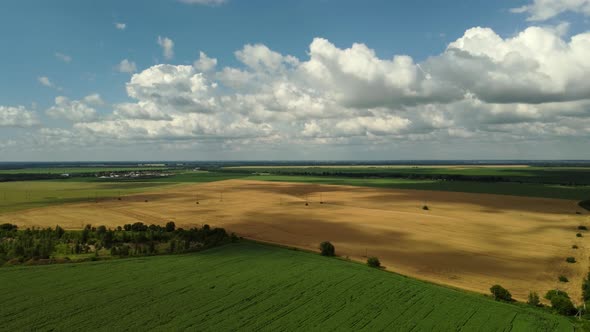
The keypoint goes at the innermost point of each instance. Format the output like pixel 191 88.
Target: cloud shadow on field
pixel 488 203
pixel 396 248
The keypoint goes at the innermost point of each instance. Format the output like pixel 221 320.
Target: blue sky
pixel 268 105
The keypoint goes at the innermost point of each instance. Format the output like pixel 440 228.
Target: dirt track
pixel 471 241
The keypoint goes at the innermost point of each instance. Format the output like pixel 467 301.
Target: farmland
pixel 496 188
pixel 21 195
pixel 470 241
pixel 495 173
pixel 76 170
pixel 246 287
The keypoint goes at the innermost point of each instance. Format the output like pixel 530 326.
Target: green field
pixel 20 195
pixel 548 175
pixel 77 170
pixel 246 286
pixel 498 188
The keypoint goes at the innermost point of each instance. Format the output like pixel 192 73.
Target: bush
pixel 579 235
pixel 327 249
pixel 425 207
pixel 170 226
pixel 582 228
pixel 373 262
pixel 574 247
pixel 570 259
pixel 563 279
pixel 8 227
pixel 554 292
pixel 563 305
pixel 533 299
pixel 586 288
pixel 500 293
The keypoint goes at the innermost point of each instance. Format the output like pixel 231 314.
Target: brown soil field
pixel 470 241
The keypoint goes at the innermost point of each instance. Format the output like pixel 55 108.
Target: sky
pixel 127 80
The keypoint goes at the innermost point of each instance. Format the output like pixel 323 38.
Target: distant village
pixel 132 175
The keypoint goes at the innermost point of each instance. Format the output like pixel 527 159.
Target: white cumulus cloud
pixel 167 47
pixel 126 66
pixel 17 116
pixel 76 110
pixel 205 63
pixel 541 10
pixel 63 57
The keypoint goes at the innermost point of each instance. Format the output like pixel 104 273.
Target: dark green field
pixel 498 188
pixel 77 170
pixel 246 287
pixel 532 174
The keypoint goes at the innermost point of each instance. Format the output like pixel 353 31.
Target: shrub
pixel 570 259
pixel 170 226
pixel 554 293
pixel 8 227
pixel 574 247
pixel 582 228
pixel 533 299
pixel 425 207
pixel 373 262
pixel 586 288
pixel 563 305
pixel 579 235
pixel 500 293
pixel 563 279
pixel 327 249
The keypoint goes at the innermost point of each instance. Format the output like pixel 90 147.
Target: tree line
pixel 48 245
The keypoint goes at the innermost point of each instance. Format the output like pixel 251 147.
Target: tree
pixel 586 288
pixel 533 299
pixel 373 262
pixel 500 293
pixel 170 226
pixel 59 232
pixel 563 305
pixel 327 249
pixel 554 292
pixel 102 229
pixel 8 227
pixel 85 234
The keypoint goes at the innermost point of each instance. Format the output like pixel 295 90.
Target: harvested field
pixel 471 241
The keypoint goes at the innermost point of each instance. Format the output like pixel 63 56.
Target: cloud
pixel 126 66
pixel 63 57
pixel 167 47
pixel 17 116
pixel 76 110
pixel 204 2
pixel 535 66
pixel 488 88
pixel 120 26
pixel 141 110
pixel 260 57
pixel 44 80
pixel 541 10
pixel 173 88
pixel 205 63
